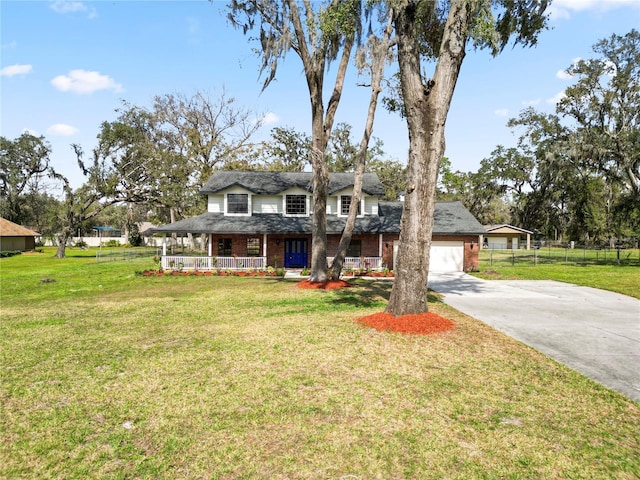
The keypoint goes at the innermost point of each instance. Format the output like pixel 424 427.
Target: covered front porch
pixel 207 263
pixel 253 253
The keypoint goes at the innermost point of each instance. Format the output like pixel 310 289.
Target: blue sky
pixel 67 65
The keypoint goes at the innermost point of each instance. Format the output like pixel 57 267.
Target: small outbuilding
pixel 14 237
pixel 506 237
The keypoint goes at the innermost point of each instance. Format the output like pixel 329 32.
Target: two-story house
pixel 255 219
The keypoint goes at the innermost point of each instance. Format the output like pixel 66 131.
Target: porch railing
pixel 371 263
pixel 182 262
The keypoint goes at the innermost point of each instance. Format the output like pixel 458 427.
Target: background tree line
pixel 574 175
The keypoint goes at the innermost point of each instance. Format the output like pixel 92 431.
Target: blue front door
pixel 295 252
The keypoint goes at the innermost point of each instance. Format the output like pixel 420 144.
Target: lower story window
pixel 253 247
pixel 355 247
pixel 224 247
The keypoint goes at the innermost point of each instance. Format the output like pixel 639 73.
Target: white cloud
pixel 29 131
pixel 63 6
pixel 12 70
pixel 85 82
pixel 611 68
pixel 531 103
pixel 563 9
pixel 269 118
pixel 556 98
pixel 62 130
pixel 12 44
pixel 501 112
pixel 563 75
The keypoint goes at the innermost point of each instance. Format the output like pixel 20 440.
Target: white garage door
pixel 446 256
pixel 498 243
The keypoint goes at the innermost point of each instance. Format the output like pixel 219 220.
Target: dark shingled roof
pixel 450 218
pixel 273 183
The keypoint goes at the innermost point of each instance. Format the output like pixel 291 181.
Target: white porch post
pixel 210 249
pixel 264 245
pixel 380 245
pixel 164 246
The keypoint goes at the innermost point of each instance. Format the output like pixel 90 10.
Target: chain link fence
pixel 549 255
pixel 127 254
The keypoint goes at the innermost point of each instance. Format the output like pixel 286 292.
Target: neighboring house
pixel 506 237
pixel 255 219
pixel 14 237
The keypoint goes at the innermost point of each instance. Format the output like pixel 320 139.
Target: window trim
pixel 236 214
pixel 340 214
pixel 306 205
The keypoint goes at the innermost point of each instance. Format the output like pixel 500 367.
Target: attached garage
pixel 446 256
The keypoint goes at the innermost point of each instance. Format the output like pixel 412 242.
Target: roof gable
pixel 10 229
pixel 504 228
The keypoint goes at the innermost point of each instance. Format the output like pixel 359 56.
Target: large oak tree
pixel 427 29
pixel 319 33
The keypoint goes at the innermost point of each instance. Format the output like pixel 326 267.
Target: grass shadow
pixel 371 293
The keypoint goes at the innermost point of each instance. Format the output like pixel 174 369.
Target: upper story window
pixel 345 203
pixel 237 204
pixel 296 204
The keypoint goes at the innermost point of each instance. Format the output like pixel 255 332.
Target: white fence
pixel 97 241
pixel 183 262
pixel 369 263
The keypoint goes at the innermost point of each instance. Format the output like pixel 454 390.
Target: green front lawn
pixel 106 374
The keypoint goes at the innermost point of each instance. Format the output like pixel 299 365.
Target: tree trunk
pixel 63 237
pixel 174 237
pixel 378 57
pixel 314 62
pixel 347 233
pixel 319 229
pixel 426 108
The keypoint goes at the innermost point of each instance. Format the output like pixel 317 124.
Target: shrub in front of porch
pixel 271 272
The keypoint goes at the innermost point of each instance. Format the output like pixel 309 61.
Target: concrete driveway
pixel 595 332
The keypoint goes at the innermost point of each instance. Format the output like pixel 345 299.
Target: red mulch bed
pixel 422 323
pixel 330 285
